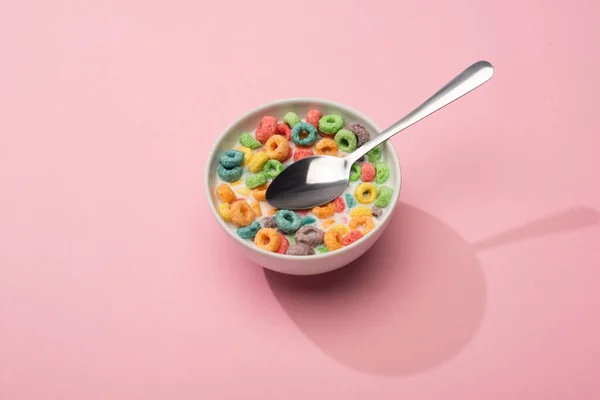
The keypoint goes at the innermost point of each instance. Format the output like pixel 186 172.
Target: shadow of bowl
pixel 393 312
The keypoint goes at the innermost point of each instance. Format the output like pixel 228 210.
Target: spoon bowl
pixel 309 182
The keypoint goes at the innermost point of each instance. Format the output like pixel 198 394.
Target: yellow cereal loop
pixel 342 229
pixel 237 183
pixel 224 212
pixel 272 211
pixel 257 162
pixel 244 191
pixel 247 154
pixel 361 210
pixel 256 207
pixel 365 193
pixel 327 223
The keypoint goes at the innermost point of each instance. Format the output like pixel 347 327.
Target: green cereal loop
pixel 350 200
pixel 384 195
pixel 331 123
pixel 308 220
pixel 346 140
pixel 287 221
pixel 291 239
pixel 322 249
pixel 383 172
pixel 311 137
pixel 254 181
pixel 272 168
pixel 374 154
pixel 248 232
pixel 230 175
pixel 355 172
pixel 248 141
pixel 291 119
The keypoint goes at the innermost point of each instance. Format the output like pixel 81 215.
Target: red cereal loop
pixel 289 154
pixel 302 213
pixel 339 205
pixel 313 117
pixel 302 153
pixel 351 238
pixel 368 172
pixel 284 130
pixel 266 128
pixel 284 245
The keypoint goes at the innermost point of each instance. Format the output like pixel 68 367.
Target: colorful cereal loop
pixel 361 223
pixel 247 154
pixel 225 194
pixel 248 141
pixel 326 147
pixel 241 213
pixel 267 239
pixel 333 240
pixel 324 211
pixel 277 147
pixel 365 193
pixel 224 212
pixel 257 162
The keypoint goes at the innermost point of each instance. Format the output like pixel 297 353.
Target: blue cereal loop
pixel 310 130
pixel 309 219
pixel 248 232
pixel 350 200
pixel 288 221
pixel 230 175
pixel 231 158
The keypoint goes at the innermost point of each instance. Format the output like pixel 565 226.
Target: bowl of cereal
pixel 260 144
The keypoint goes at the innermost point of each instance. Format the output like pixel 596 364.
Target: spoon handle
pixel 471 78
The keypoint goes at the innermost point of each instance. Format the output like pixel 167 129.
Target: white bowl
pixel 318 263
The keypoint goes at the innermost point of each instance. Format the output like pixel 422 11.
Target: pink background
pixel 114 286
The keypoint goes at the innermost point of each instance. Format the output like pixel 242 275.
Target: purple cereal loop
pixel 376 212
pixel 268 222
pixel 309 235
pixel 300 249
pixel 361 133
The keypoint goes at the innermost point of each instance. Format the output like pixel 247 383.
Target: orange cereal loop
pixel 333 240
pixel 272 211
pixel 342 229
pixel 267 239
pixel 362 224
pixel 325 211
pixel 256 208
pixel 225 193
pixel 260 193
pixel 241 213
pixel 277 147
pixel 327 223
pixel 327 147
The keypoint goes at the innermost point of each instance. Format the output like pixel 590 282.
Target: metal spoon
pixel 316 180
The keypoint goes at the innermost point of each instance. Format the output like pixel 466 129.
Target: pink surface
pixel 112 285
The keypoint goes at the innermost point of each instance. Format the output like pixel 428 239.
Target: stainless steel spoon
pixel 316 180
